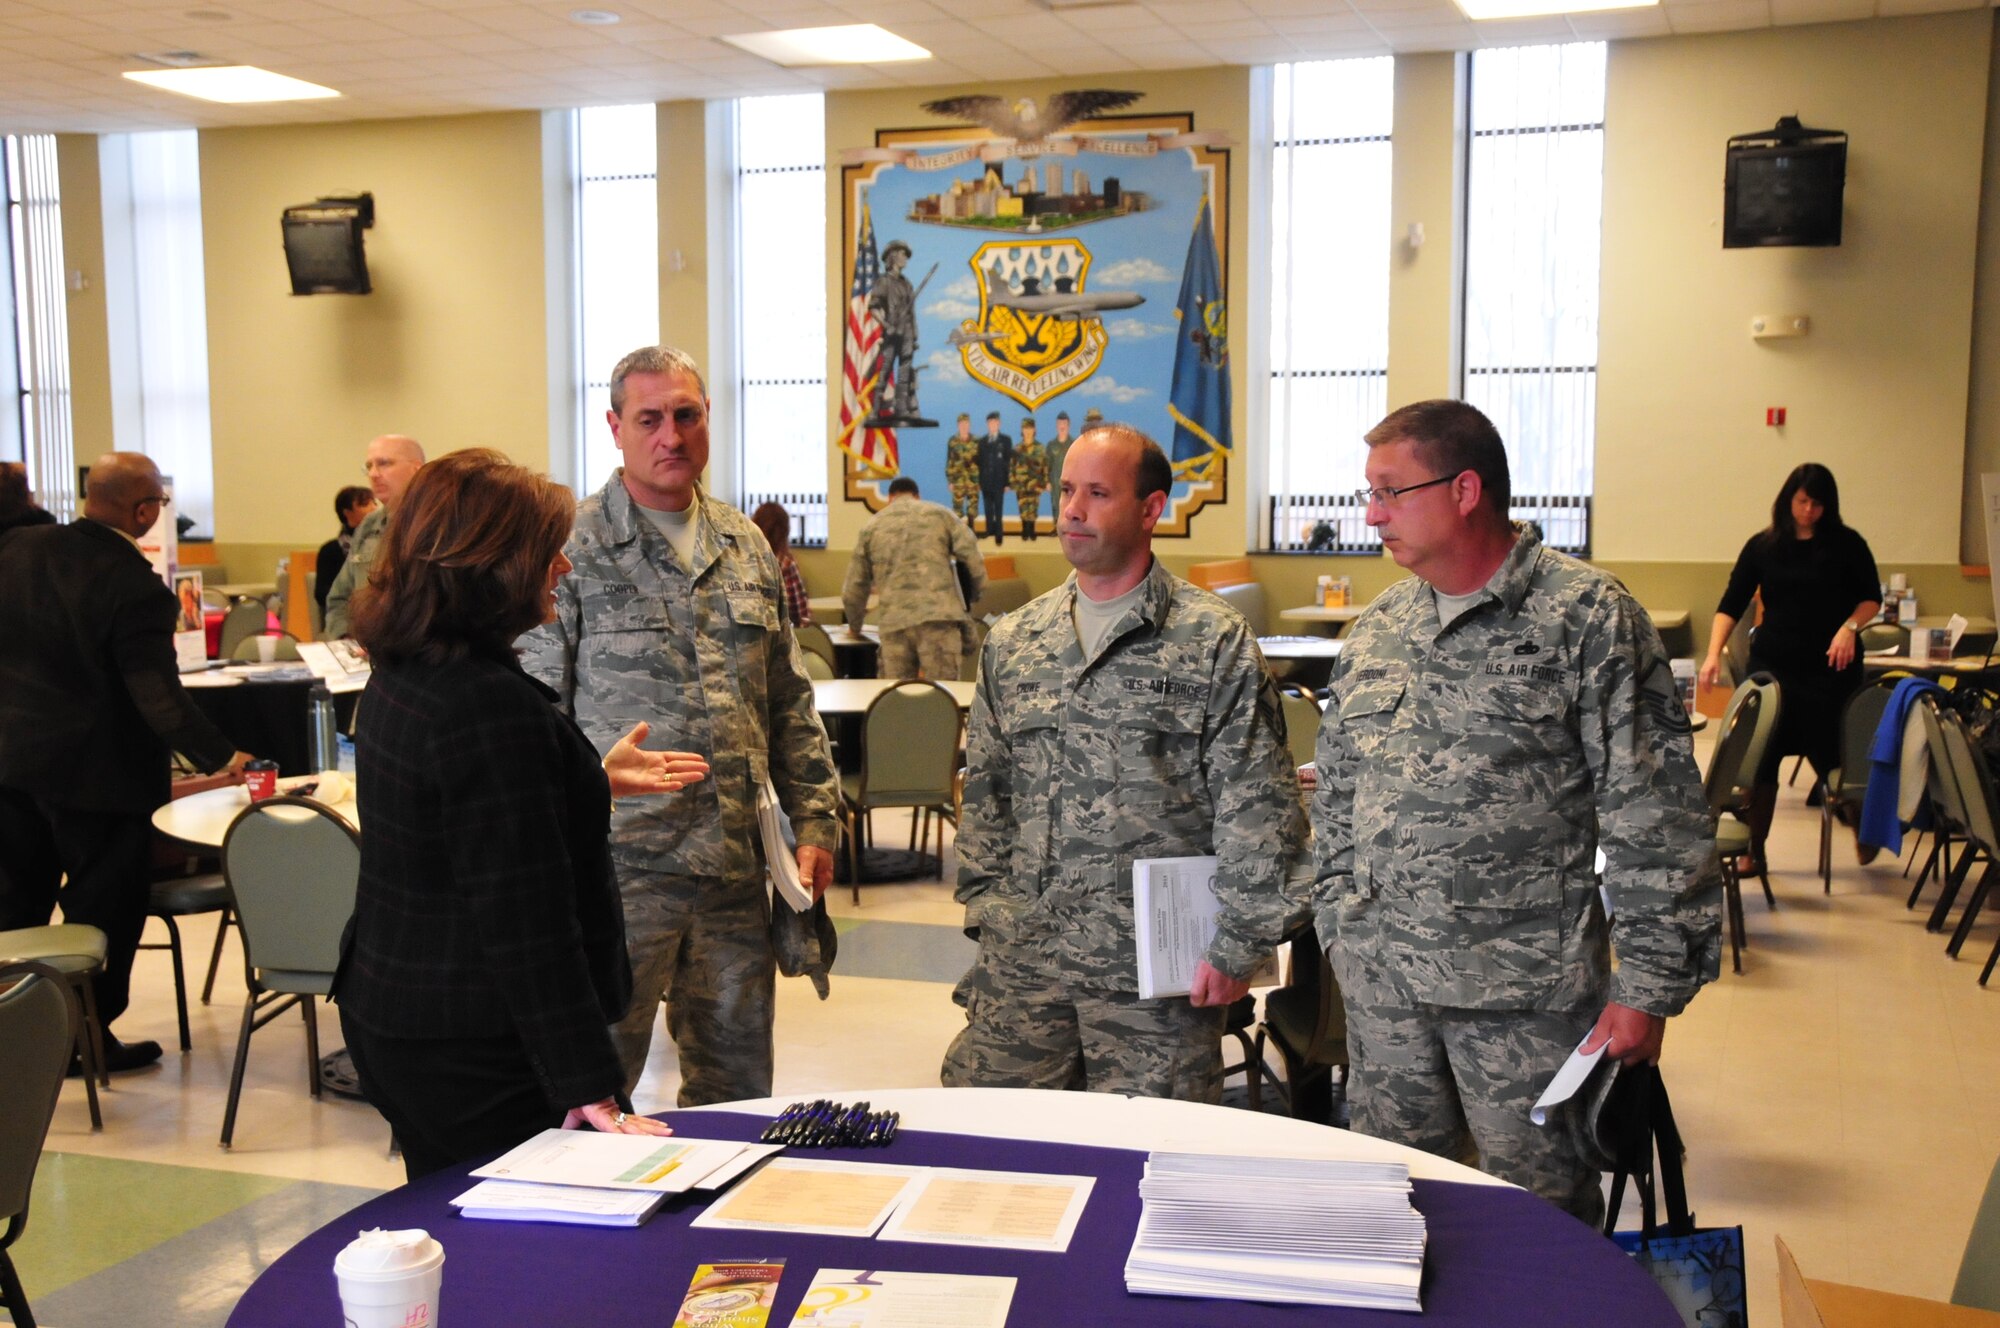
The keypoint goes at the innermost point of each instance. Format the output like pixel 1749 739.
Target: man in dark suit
pixel 996 465
pixel 90 703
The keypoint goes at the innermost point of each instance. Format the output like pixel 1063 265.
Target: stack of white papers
pixel 573 1205
pixel 781 855
pixel 1288 1230
pixel 591 1179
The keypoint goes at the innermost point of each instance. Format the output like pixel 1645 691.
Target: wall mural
pixel 1049 265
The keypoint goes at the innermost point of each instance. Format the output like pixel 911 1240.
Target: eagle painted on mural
pixel 1025 121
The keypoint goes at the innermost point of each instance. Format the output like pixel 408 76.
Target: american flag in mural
pixel 860 370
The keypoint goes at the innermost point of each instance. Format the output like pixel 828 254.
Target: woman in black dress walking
pixel 1820 588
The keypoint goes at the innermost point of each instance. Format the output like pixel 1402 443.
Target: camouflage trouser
pixel 705 946
pixel 1028 501
pixel 1459 1083
pixel 1026 1031
pixel 937 647
pixel 965 501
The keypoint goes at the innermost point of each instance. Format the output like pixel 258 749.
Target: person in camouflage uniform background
pixel 1029 474
pixel 1057 448
pixel 1495 721
pixel 909 551
pixel 961 471
pixel 1126 714
pixel 392 462
pixel 674 614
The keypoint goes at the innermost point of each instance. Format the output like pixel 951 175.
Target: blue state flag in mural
pixel 1200 401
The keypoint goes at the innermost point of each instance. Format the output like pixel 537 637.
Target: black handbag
pixel 1624 1124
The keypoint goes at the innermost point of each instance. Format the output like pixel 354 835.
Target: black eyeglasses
pixel 1387 496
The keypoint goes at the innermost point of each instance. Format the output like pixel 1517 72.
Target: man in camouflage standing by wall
pixel 910 551
pixel 1495 720
pixel 961 471
pixel 1057 448
pixel 1124 715
pixel 674 615
pixel 1029 475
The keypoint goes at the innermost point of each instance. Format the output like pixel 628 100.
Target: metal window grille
pixel 1535 185
pixel 1337 522
pixel 1331 124
pixel 41 320
pixel 807 510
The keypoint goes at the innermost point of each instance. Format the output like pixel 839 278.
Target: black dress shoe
pixel 121 1056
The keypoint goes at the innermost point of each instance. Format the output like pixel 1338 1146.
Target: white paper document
pixel 571 1205
pixel 853 1298
pixel 813 1195
pixel 781 859
pixel 1011 1210
pixel 342 665
pixel 1568 1079
pixel 651 1163
pixel 1174 910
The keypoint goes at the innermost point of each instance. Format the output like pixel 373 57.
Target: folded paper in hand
pixel 1174 912
pixel 781 856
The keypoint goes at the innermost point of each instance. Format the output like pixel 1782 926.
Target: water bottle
pixel 322 738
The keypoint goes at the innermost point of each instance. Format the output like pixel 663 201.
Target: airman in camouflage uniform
pixel 1029 475
pixel 1494 722
pixel 961 471
pixel 1058 448
pixel 1163 737
pixel 675 615
pixel 392 462
pixel 909 552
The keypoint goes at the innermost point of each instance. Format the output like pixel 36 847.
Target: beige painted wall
pixel 1220 101
pixel 685 270
pixel 1424 189
pixel 1878 390
pixel 449 348
pixel 89 338
pixel 1982 426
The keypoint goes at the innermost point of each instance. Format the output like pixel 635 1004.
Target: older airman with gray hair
pixel 673 614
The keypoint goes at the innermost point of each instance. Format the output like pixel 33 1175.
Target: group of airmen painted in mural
pixel 979 471
pixel 1494 721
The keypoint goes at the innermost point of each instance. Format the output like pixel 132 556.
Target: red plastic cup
pixel 261 779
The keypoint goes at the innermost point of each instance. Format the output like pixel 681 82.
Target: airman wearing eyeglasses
pixel 1495 720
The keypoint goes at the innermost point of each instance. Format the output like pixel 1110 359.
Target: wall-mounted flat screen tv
pixel 1784 186
pixel 323 249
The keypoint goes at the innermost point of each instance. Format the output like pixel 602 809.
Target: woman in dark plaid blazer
pixel 486 955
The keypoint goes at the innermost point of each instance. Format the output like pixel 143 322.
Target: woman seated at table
pixel 1818 582
pixel 486 956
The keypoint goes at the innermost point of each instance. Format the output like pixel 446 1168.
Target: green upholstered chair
pixel 38 1026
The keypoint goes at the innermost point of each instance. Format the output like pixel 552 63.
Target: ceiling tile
pixel 1442 37
pixel 1820 11
pixel 1895 8
pixel 1719 15
pixel 1616 23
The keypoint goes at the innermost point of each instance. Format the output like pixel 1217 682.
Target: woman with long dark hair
pixel 486 958
pixel 1819 586
pixel 776 523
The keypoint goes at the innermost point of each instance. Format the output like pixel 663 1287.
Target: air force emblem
pixel 1039 331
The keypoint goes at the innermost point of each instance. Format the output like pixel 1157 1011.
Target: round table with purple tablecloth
pixel 1497 1256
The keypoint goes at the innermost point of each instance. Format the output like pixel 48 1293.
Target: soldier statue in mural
pixel 893 301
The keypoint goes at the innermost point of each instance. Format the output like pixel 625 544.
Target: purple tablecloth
pixel 1497 1256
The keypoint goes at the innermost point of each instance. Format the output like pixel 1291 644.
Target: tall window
pixel 157 307
pixel 41 320
pixel 617 265
pixel 1534 204
pixel 1329 294
pixel 780 211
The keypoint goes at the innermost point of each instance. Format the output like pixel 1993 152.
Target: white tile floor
pixel 1843 1090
